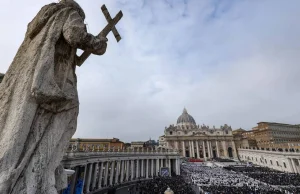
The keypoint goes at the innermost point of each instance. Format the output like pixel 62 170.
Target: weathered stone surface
pixel 39 100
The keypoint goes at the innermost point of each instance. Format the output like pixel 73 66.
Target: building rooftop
pixel 279 124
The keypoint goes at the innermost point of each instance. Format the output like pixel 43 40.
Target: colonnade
pixel 278 160
pixel 107 172
pixel 205 149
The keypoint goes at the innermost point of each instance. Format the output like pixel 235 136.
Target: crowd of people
pixel 159 185
pixel 267 175
pixel 219 180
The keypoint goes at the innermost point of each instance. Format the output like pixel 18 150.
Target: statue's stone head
pixel 74 4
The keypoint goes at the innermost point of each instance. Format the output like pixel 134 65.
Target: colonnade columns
pixel 84 176
pixel 147 168
pixel 137 169
pixel 95 170
pixel 112 171
pixel 197 149
pixel 132 173
pixel 225 149
pixel 117 171
pixel 127 170
pixel 157 167
pixel 88 178
pixel 142 168
pixel 106 174
pixel 183 149
pixel 100 175
pixel 122 171
pixel 208 150
pixel 152 167
pixel 74 180
pixel 204 152
pixel 218 152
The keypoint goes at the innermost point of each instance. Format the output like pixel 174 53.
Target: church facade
pixel 202 142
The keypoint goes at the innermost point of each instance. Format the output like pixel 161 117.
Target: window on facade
pixel 226 132
pixel 277 163
pixel 171 132
pixel 284 165
pixel 271 162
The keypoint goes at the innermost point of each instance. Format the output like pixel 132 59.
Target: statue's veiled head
pixel 74 4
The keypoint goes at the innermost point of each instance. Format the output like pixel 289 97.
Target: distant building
pixel 198 141
pixel 243 139
pixel 137 144
pixel 151 143
pixel 269 134
pixel 97 144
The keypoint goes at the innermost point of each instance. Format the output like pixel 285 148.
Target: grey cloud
pixel 232 63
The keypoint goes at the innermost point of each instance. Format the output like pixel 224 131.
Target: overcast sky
pixel 227 61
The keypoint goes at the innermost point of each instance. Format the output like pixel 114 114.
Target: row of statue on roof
pixel 203 127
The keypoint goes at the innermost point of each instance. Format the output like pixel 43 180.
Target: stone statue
pixel 39 100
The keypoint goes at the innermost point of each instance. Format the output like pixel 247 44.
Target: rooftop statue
pixel 39 99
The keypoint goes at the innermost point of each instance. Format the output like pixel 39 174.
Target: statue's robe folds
pixel 39 101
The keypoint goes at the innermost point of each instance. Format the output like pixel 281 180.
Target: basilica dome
pixel 185 118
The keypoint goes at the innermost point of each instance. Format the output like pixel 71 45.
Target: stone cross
pixel 111 26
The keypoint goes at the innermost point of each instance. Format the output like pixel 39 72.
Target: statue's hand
pixel 102 49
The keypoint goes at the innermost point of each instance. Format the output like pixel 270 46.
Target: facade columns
pixel 294 166
pixel 176 145
pixel 225 149
pixel 291 165
pixel 234 149
pixel 112 171
pixel 161 162
pixel 183 149
pixel 190 149
pixel 204 153
pixel 197 149
pixel 193 149
pixel 218 152
pixel 211 149
pixel 208 149
pixel 170 167
pixel 100 176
